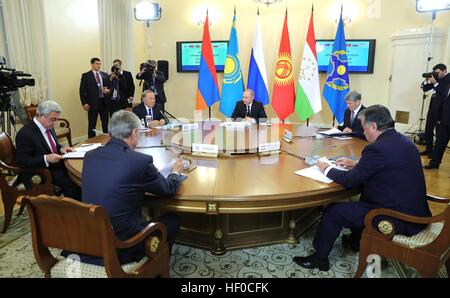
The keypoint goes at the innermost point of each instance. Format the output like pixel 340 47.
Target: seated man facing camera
pixel 248 109
pixel 352 124
pixel 390 175
pixel 149 108
pixel 116 177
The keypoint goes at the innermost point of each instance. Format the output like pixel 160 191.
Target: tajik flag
pixel 283 88
pixel 308 100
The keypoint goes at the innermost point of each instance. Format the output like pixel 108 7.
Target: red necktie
pixel 52 143
pixel 97 78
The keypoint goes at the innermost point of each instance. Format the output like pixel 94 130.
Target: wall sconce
pixel 267 2
pixel 199 15
pixel 147 11
pixel 349 13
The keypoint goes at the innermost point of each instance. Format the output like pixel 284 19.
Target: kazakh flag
pixel 337 85
pixel 233 84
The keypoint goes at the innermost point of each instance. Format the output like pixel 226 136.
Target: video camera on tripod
pixel 10 82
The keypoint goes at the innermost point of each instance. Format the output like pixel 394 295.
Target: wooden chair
pixel 427 251
pixel 10 189
pixel 62 126
pixel 67 224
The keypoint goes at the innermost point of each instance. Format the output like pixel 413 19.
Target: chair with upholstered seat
pixel 10 188
pixel 62 125
pixel 426 251
pixel 58 222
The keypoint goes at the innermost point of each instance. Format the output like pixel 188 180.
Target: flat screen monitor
pixel 189 54
pixel 360 54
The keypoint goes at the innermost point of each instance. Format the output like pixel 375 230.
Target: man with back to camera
pixel 37 147
pixel 122 88
pixel 249 109
pixel 153 80
pixel 352 124
pixel 391 176
pixel 94 88
pixel 437 81
pixel 116 177
pixel 149 107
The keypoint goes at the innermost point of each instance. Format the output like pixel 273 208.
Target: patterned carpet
pixel 275 261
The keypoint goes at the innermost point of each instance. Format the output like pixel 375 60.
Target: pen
pixel 191 169
pixel 86 145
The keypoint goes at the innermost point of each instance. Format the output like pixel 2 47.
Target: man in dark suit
pixel 37 147
pixel 94 88
pixel 148 108
pixel 122 88
pixel 249 109
pixel 390 175
pixel 442 131
pixel 352 124
pixel 116 177
pixel 153 80
pixel 438 82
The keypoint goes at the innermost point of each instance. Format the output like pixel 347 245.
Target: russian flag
pixel 208 90
pixel 257 75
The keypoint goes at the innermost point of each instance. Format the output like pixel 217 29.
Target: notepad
pixel 314 173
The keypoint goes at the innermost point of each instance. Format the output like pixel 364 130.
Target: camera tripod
pixel 418 136
pixel 9 111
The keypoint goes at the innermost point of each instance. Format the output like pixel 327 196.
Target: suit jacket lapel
pixel 37 131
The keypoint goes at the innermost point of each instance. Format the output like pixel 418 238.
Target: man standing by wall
pixel 122 88
pixel 94 88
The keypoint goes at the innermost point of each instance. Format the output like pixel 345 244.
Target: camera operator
pixel 122 88
pixel 153 80
pixel 436 81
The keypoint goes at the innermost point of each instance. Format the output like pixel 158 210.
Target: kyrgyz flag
pixel 308 100
pixel 283 88
pixel 208 90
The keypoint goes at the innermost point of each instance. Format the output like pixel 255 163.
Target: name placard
pixel 232 125
pixel 206 150
pixel 287 136
pixel 193 126
pixel 269 147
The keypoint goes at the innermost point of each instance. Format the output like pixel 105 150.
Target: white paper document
pixel 87 147
pixel 333 131
pixel 74 155
pixel 314 173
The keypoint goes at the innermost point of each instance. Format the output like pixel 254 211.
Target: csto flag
pixel 257 75
pixel 283 88
pixel 308 100
pixel 337 84
pixel 208 90
pixel 233 84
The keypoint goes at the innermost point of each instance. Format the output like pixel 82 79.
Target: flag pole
pixel 334 119
pixel 307 122
pixel 209 112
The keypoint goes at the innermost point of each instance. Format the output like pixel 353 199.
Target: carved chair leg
pixel 447 266
pixel 9 207
pixel 362 264
pixel 22 207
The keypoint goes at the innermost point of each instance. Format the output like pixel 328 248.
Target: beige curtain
pixel 27 45
pixel 116 32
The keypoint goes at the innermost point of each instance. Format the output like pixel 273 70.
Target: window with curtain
pixel 3 46
pixel 116 32
pixel 26 45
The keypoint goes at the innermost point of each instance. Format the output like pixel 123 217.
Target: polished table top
pixel 242 183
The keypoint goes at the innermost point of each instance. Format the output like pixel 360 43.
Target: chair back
pixel 70 225
pixel 31 112
pixel 7 149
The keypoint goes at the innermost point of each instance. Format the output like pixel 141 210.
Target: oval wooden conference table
pixel 241 198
